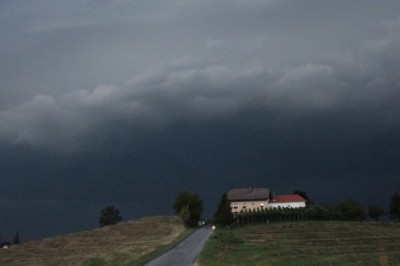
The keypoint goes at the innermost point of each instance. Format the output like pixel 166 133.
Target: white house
pixel 242 199
pixel 288 201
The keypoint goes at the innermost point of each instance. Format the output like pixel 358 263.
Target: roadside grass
pixel 129 243
pixel 305 243
pixel 160 249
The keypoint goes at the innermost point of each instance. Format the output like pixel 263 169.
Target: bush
pixel 227 238
pixel 109 216
pixel 352 210
pixel 317 212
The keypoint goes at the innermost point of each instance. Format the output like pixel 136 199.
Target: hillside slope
pixel 305 243
pixel 123 243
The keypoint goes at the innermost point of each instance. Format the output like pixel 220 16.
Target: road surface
pixel 186 252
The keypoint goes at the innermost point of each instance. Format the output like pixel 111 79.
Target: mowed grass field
pixel 127 243
pixel 305 243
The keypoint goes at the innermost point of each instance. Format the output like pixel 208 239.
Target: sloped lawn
pixel 305 243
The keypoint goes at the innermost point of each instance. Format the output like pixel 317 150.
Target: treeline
pixel 270 215
pixel 346 210
pixel 353 210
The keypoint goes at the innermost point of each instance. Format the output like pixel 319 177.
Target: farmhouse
pixel 248 198
pixel 242 199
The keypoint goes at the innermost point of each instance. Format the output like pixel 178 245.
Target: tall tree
pixel 395 206
pixel 223 215
pixel 16 239
pixel 109 216
pixel 189 207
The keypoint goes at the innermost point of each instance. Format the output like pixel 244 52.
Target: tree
pixel 16 239
pixel 223 215
pixel 304 195
pixel 189 207
pixel 395 206
pixel 109 216
pixel 352 210
pixel 184 213
pixel 317 212
pixel 375 211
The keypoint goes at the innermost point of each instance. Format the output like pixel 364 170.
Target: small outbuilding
pixel 5 245
pixel 288 201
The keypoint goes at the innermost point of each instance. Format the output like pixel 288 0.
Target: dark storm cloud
pixel 120 101
pixel 365 81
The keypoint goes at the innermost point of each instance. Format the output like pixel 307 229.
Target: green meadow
pixel 305 243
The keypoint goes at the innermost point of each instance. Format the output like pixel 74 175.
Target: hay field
pixel 305 243
pixel 127 243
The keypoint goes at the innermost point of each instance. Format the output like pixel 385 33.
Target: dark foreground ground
pixel 305 243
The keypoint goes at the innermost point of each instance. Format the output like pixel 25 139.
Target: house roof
pixel 239 194
pixel 288 198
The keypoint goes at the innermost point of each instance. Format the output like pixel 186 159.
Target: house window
pixel 244 205
pixel 235 205
pixel 262 204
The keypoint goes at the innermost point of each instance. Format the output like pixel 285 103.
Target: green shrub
pixel 227 238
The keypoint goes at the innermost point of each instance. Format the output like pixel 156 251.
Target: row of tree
pixel 271 215
pixel 353 210
pixel 350 210
pixel 189 206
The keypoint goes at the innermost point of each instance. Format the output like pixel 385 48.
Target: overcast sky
pixel 131 102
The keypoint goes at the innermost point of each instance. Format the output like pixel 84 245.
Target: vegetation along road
pixel 186 252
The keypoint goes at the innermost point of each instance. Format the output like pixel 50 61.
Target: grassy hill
pixel 305 243
pixel 128 243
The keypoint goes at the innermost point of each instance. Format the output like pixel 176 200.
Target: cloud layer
pixel 364 81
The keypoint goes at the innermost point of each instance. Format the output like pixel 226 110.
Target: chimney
pixel 272 196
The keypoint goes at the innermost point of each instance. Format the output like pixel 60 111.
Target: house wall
pixel 287 204
pixel 238 206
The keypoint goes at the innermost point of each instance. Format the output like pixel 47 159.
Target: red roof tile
pixel 288 198
pixel 239 194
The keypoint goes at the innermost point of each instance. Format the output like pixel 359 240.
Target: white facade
pixel 287 204
pixel 238 206
pixel 248 199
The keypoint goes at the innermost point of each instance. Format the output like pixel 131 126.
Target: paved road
pixel 186 252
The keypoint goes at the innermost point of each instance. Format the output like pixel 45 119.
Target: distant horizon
pixel 206 216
